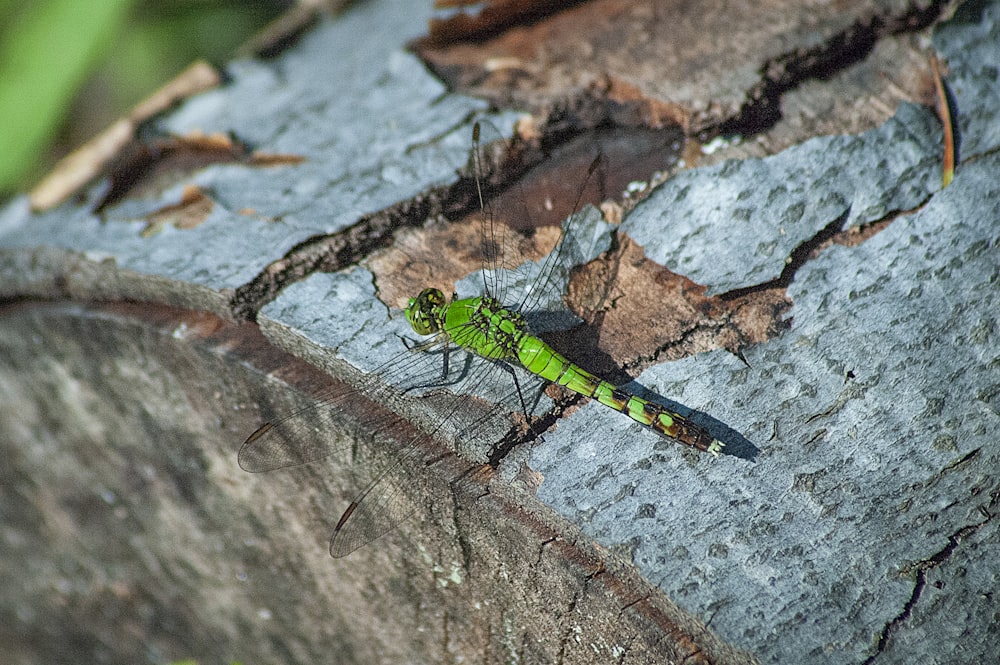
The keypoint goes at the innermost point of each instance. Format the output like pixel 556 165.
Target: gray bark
pixel 850 520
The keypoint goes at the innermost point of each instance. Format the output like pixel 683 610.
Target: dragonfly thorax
pixel 485 327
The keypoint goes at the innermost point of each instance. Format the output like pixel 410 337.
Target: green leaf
pixel 46 50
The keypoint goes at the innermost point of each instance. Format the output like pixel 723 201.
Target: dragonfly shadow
pixel 548 322
pixel 502 384
pixel 446 374
pixel 736 444
pixel 579 344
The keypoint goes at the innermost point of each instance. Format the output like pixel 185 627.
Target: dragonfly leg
pixel 418 345
pixel 444 368
pixel 517 385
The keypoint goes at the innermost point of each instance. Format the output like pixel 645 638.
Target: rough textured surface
pixel 850 521
pixel 691 64
pixel 374 126
pixel 130 535
pixel 871 428
pixel 870 458
pixel 757 211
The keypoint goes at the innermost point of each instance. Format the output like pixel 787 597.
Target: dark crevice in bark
pixel 518 436
pixel 920 582
pixel 799 256
pixel 786 72
pixel 329 253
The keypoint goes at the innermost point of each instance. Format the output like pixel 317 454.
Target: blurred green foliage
pixel 68 68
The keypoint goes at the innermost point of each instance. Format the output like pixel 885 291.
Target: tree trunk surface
pixel 786 266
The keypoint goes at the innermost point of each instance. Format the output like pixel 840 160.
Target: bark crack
pixel 920 582
pixel 762 110
pixel 329 253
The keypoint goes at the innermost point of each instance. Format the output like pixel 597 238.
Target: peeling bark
pixel 827 308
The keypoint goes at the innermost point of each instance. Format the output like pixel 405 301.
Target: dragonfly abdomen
pixel 539 358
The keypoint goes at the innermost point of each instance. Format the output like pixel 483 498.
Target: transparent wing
pixel 305 435
pixel 383 415
pixel 565 254
pixel 421 472
pixel 516 225
pixel 500 244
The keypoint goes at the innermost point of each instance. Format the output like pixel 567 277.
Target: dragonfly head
pixel 423 312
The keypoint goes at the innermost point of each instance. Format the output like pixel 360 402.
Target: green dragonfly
pixel 496 334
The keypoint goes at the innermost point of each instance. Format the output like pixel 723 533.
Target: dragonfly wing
pixel 520 268
pixel 273 447
pixel 501 210
pixel 382 416
pixel 321 429
pixel 392 497
pixel 424 469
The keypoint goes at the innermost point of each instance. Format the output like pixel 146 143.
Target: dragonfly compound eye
pixel 421 311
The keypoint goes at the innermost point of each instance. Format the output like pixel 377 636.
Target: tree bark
pixel 829 308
